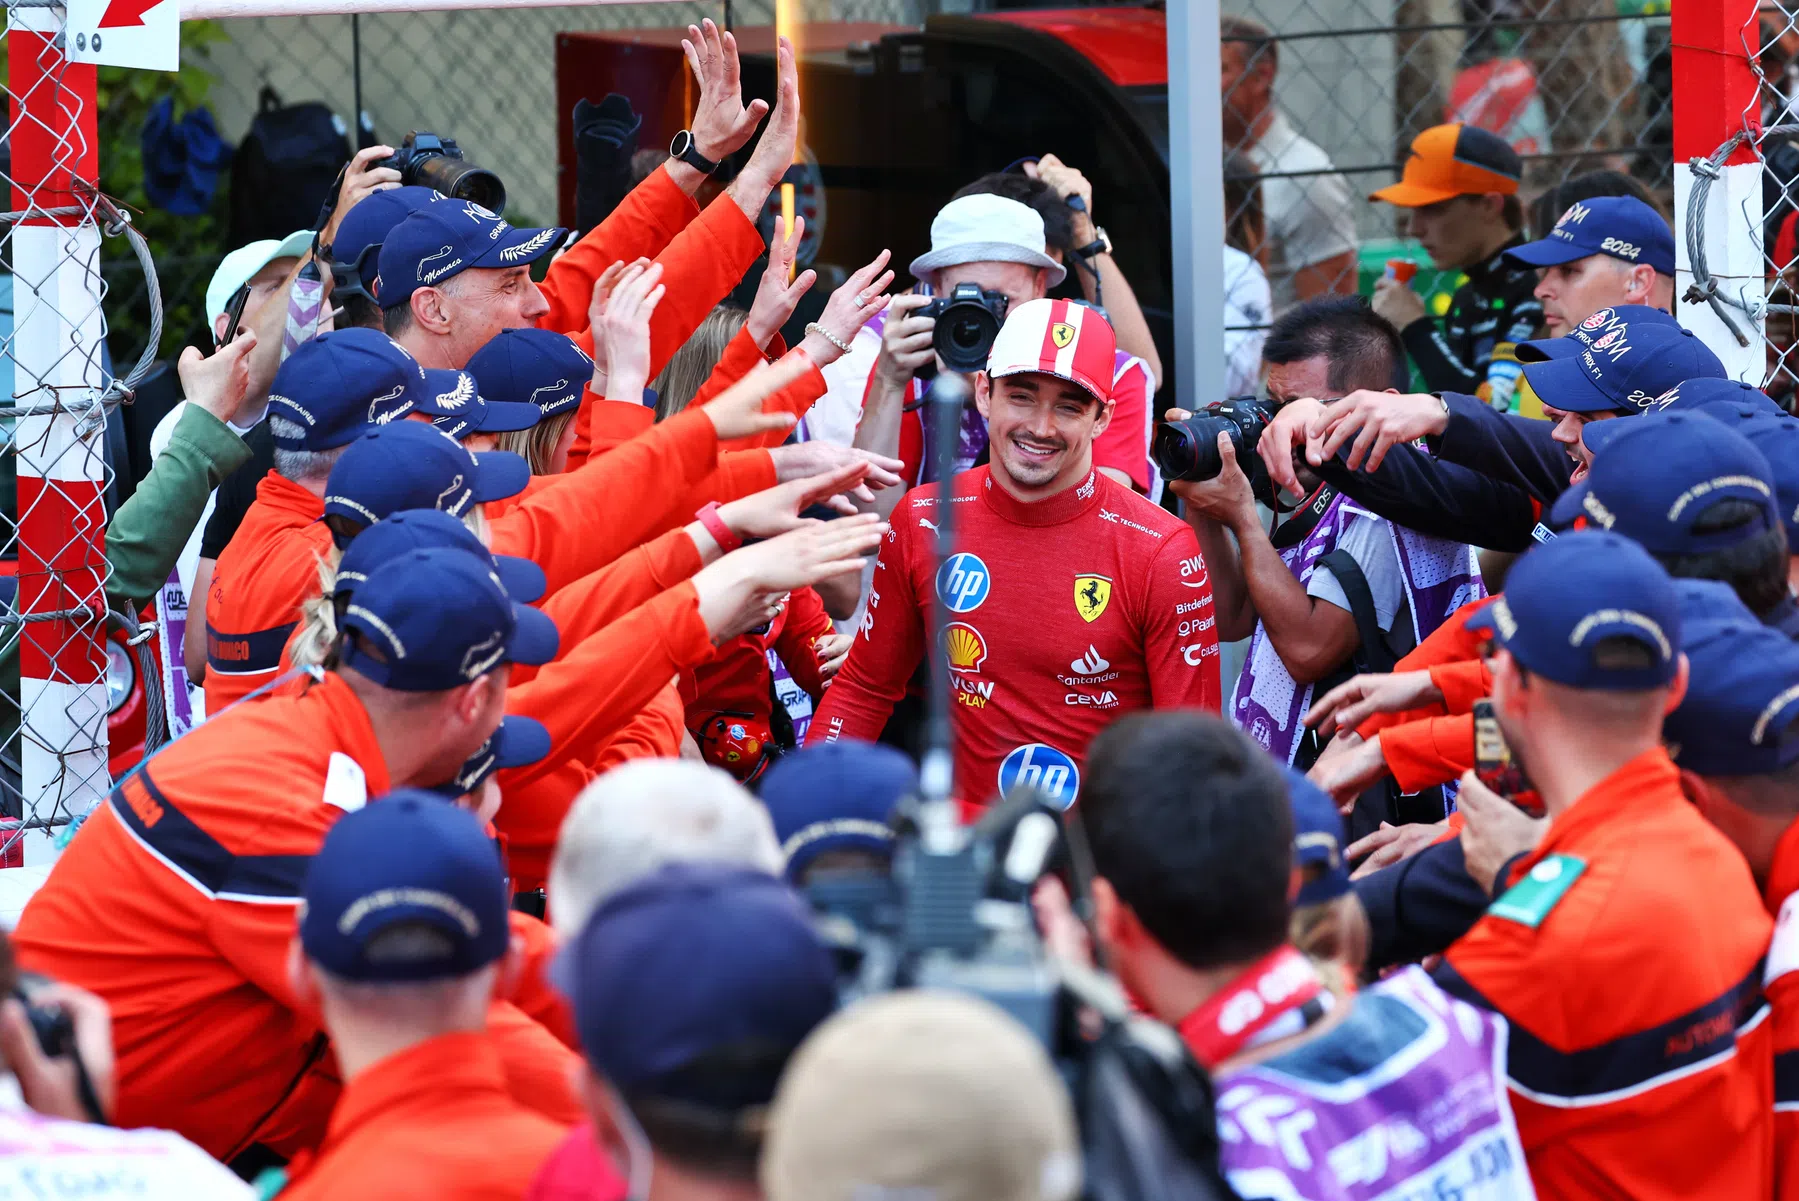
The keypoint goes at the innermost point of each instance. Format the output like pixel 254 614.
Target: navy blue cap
pixel 1566 596
pixel 412 465
pixel 405 858
pixel 1620 226
pixel 453 401
pixel 1643 316
pixel 1778 440
pixel 338 384
pixel 428 529
pixel 1652 478
pixel 1727 394
pixel 532 366
pixel 1740 714
pixel 442 240
pixel 1622 368
pixel 1317 840
pixel 835 796
pixel 519 742
pixel 692 963
pixel 1704 601
pixel 433 620
pixel 364 228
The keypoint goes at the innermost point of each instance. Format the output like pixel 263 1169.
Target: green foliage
pixel 185 249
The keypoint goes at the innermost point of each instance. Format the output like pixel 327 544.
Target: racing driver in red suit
pixel 1072 599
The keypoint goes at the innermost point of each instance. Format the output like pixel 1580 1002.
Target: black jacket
pixel 1493 310
pixel 1439 498
pixel 1504 447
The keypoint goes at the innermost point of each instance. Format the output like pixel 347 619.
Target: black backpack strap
pixel 1373 655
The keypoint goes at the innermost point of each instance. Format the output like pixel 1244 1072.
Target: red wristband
pixel 715 525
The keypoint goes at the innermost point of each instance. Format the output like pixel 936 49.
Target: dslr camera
pixel 433 161
pixel 1188 450
pixel 968 321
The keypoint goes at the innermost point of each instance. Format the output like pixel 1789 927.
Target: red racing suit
pixel 1781 983
pixel 1065 613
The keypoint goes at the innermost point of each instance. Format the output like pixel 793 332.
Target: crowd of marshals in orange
pixel 483 576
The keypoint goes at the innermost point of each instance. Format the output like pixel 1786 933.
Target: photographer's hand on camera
pixel 363 177
pixel 51 1084
pixel 1377 421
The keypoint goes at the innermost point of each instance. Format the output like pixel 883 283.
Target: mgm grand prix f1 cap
pixel 429 529
pixel 439 241
pixel 404 859
pixel 412 465
pixel 531 366
pixel 1654 478
pixel 1622 364
pixel 433 620
pixel 1620 227
pixel 1454 160
pixel 338 384
pixel 1567 596
pixel 1725 399
pixel 1063 338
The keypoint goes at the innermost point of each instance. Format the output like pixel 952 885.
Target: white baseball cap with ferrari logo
pixel 1063 338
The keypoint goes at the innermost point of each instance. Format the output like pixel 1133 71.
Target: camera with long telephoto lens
pixel 433 161
pixel 1188 450
pixel 968 321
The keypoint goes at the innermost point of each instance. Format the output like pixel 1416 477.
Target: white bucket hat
pixel 986 229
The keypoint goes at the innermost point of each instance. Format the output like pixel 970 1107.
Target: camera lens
pixel 1188 450
pixel 460 180
pixel 964 336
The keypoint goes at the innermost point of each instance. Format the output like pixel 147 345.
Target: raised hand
pixel 361 179
pixel 625 330
pixel 774 151
pixel 777 296
pixel 850 307
pixel 722 123
pixel 776 510
pixel 741 590
pixel 737 412
pixel 1377 421
pixel 804 459
pixel 1354 701
pixel 218 383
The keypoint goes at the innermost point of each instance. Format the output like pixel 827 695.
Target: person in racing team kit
pixel 1074 599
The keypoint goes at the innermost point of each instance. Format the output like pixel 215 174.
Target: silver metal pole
pixel 213 10
pixel 1196 192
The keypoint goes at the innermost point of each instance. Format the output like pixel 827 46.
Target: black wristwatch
pixel 683 148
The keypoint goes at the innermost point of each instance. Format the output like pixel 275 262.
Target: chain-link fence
pixel 1573 85
pixel 1771 42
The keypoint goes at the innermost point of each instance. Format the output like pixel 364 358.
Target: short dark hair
pixel 1190 824
pixel 1755 568
pixel 1512 212
pixel 1255 38
pixel 1548 208
pixel 1362 347
pixel 398 319
pixel 707 1115
pixel 1058 218
pixel 361 311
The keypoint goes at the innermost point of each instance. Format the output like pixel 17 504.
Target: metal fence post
pixel 1196 190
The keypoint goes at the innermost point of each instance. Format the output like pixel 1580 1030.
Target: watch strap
pixel 690 153
pixel 715 525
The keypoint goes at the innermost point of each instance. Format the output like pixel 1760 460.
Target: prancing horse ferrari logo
pixel 1092 593
pixel 1061 333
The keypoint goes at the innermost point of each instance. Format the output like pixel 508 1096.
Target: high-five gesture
pixel 722 123
pixel 777 295
pixel 738 412
pixel 774 152
pixel 850 308
pixel 625 331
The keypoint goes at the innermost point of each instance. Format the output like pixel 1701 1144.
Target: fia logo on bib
pixel 1041 766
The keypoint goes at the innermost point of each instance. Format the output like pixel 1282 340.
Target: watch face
pixel 682 143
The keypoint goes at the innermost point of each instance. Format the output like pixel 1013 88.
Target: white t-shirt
pixel 54 1158
pixel 1370 543
pixel 1309 218
pixel 1247 311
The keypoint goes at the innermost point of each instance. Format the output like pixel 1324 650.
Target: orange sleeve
pixel 700 267
pixel 602 424
pixel 612 503
pixel 540 1071
pixel 1449 642
pixel 532 991
pixel 1461 684
pixel 1434 751
pixel 593 689
pixel 642 226
pixel 654 733
pixel 595 600
pixel 740 357
pixel 740 473
pixel 796 398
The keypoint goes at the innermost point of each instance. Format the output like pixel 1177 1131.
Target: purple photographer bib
pixel 1404 1100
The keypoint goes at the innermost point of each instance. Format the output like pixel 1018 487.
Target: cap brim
pixel 535 641
pixel 1413 196
pixel 1548 253
pixel 1561 384
pixel 986 252
pixel 504 416
pixel 1091 387
pixel 521 247
pixel 500 474
pixel 1597 435
pixel 523 580
pixel 520 741
pixel 1567 509
pixel 1547 350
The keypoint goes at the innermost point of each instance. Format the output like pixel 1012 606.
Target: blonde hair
pixel 538 443
pixel 1334 937
pixel 316 643
pixel 688 369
